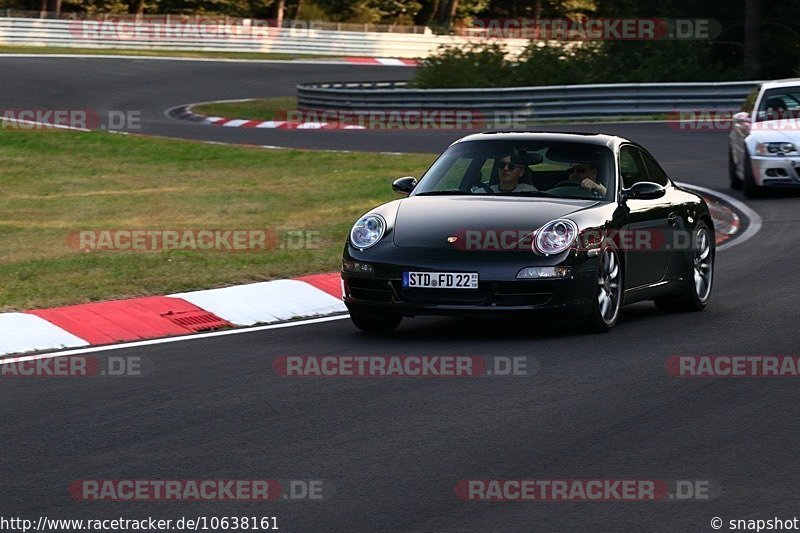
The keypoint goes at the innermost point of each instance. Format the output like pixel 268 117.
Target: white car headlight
pixel 775 148
pixel 555 236
pixel 367 231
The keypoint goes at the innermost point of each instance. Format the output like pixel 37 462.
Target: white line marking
pixel 754 225
pixel 44 124
pixel 167 340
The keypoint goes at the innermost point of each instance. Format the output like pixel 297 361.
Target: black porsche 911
pixel 567 224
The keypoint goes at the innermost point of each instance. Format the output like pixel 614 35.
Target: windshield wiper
pixel 440 193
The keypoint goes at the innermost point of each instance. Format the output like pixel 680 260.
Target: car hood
pixel 427 222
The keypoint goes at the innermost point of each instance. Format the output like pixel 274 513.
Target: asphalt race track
pixel 600 407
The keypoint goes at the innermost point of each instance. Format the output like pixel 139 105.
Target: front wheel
pixel 700 276
pixel 608 292
pixel 749 186
pixel 375 321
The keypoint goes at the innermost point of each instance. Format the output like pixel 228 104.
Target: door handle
pixel 672 218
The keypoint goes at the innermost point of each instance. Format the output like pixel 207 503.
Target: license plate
pixel 440 280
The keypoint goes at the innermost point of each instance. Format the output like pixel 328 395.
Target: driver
pixel 510 173
pixel 585 174
pixel 776 108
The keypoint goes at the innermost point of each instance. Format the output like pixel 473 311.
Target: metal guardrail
pixel 223 35
pixel 546 102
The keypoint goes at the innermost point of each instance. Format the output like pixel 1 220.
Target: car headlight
pixel 775 148
pixel 555 237
pixel 367 231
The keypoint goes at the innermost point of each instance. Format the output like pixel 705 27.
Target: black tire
pixel 699 279
pixel 736 181
pixel 375 321
pixel 749 187
pixel 609 289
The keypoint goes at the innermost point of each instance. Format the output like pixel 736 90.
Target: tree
pixel 752 38
pixel 136 7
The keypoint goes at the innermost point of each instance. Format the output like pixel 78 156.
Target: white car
pixel 764 143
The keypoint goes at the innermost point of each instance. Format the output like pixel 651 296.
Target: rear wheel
pixel 608 292
pixel 375 321
pixel 736 181
pixel 700 277
pixel 749 186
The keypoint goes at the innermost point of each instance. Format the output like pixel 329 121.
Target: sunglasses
pixel 508 165
pixel 580 170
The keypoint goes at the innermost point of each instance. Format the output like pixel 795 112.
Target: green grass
pixel 154 53
pixel 57 182
pixel 261 109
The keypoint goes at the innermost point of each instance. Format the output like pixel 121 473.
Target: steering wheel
pixel 594 192
pixel 566 183
pixel 484 186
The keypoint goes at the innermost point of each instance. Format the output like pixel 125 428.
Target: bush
pixel 477 65
pixel 655 61
pixel 486 65
pixel 543 64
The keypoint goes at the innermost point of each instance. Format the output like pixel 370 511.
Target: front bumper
pixel 499 292
pixel 776 171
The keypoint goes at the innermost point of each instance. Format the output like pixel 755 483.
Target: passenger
pixel 510 173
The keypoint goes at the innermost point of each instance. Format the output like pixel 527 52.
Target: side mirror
pixel 404 185
pixel 644 190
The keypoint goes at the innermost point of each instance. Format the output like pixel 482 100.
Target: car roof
pixel 774 84
pixel 551 136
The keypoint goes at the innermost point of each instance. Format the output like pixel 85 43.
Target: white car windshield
pixel 779 103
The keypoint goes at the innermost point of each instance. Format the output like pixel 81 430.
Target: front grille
pixel 510 294
pixel 446 296
pixel 523 293
pixel 780 181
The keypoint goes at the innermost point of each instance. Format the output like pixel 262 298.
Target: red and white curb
pixel 726 211
pixel 271 301
pixel 152 317
pixel 726 222
pixel 392 62
pixel 186 113
pixel 335 60
pixel 22 332
pixel 278 124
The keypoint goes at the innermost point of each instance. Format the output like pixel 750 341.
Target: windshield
pixel 522 168
pixel 779 103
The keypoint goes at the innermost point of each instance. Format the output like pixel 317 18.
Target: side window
pixel 750 101
pixel 452 178
pixel 486 170
pixel 631 167
pixel 657 175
